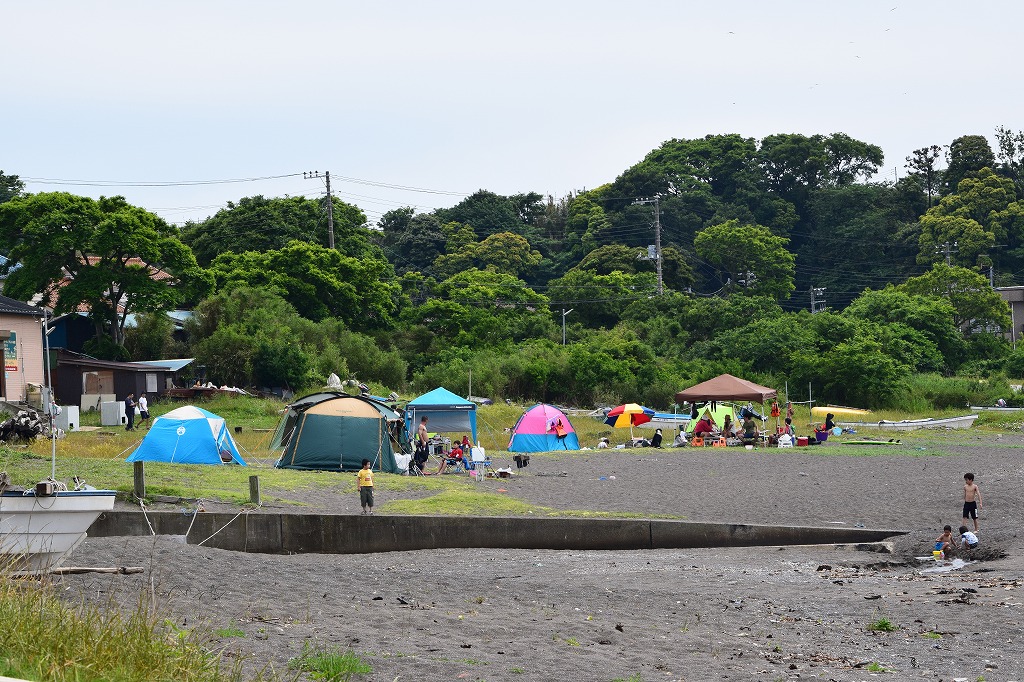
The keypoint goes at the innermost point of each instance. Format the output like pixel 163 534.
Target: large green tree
pixel 317 281
pixel 750 256
pixel 977 307
pixel 10 186
pixel 113 258
pixel 260 224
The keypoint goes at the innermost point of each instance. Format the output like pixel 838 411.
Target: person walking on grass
pixel 143 409
pixel 365 487
pixel 972 500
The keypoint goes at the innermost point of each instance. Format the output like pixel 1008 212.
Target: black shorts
pixel 144 414
pixel 366 496
pixel 971 510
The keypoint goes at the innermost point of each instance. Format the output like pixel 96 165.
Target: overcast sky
pixel 454 96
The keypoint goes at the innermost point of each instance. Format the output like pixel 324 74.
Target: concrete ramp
pixel 349 534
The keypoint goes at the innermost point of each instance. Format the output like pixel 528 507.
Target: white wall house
pixel 21 340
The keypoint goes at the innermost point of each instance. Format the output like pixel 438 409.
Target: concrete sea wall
pixel 348 534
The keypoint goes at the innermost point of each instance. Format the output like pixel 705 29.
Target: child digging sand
pixel 944 543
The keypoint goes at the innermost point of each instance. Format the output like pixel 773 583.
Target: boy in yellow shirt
pixel 365 487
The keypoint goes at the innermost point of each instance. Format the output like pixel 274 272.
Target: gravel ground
pixel 766 613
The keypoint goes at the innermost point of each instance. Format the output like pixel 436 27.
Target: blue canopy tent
pixel 445 412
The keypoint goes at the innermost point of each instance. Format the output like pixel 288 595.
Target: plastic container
pixel 801 441
pixel 937 554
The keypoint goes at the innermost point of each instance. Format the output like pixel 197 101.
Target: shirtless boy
pixel 972 500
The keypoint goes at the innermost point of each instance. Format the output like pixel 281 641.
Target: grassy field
pixel 98 457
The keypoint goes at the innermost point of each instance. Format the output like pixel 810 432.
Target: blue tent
pixel 188 435
pixel 445 412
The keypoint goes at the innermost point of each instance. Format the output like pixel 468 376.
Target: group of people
pixel 746 431
pixel 459 449
pixel 129 410
pixel 945 544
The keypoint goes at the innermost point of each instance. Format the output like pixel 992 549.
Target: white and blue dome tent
pixel 188 435
pixel 445 412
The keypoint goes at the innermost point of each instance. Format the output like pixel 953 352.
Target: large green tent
pixel 332 431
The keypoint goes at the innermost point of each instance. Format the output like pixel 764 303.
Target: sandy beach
pixel 766 613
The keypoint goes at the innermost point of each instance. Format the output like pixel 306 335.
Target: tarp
pixel 535 431
pixel 726 387
pixel 333 431
pixel 187 435
pixel 445 413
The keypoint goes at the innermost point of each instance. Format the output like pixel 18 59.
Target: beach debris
pixel 618 626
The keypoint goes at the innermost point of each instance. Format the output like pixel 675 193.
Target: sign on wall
pixel 11 353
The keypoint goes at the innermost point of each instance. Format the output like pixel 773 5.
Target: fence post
pixel 254 490
pixel 139 475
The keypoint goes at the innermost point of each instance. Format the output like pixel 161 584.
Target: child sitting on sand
pixel 944 543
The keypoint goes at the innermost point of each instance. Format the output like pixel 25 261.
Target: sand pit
pixel 824 612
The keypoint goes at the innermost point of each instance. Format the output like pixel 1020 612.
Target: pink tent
pixel 543 428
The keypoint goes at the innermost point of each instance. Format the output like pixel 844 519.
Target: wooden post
pixel 254 490
pixel 139 471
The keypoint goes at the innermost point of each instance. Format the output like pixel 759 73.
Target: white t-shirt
pixel 143 404
pixel 968 539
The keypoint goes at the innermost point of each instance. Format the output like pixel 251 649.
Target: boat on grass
pixel 820 411
pixel 40 527
pixel 962 422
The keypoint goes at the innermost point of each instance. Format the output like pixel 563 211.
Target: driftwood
pixel 123 570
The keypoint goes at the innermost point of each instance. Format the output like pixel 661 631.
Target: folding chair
pixel 481 464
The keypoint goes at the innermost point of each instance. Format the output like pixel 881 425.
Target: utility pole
pixel 657 239
pixel 947 249
pixel 817 299
pixel 330 203
pixel 564 313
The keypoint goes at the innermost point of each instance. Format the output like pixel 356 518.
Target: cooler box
pixel 68 418
pixel 801 440
pixel 112 414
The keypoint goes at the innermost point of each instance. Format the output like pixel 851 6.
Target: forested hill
pixel 753 235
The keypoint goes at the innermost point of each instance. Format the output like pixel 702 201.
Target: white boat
pixel 37 530
pixel 963 422
pixel 41 526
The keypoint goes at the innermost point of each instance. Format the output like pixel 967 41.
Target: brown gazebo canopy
pixel 726 387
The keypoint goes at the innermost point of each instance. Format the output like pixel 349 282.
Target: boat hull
pixel 38 531
pixel 964 422
pixel 819 412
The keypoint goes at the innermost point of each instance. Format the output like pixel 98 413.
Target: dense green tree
pixel 10 186
pixel 933 317
pixel 966 155
pixel 750 256
pixel 262 224
pixel 317 281
pixel 151 338
pixel 860 236
pixel 1011 156
pixel 977 307
pixel 981 213
pixel 114 258
pixel 599 300
pixel 489 213
pixel 411 241
pixel 508 253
